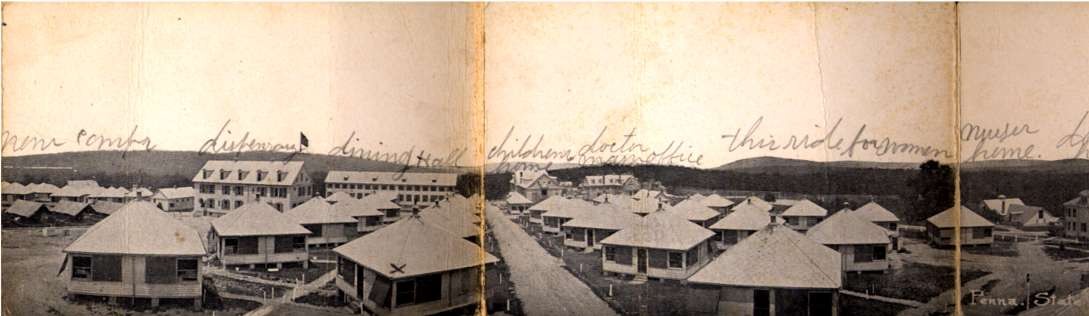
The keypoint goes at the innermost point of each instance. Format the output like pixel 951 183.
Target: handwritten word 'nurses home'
pixel 12 143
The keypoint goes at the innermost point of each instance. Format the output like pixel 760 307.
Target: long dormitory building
pixel 410 187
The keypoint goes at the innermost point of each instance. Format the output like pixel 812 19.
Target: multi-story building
pixel 410 187
pixel 609 184
pixel 224 185
pixel 1076 217
pixel 536 185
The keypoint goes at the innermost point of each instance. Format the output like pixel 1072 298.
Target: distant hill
pixel 798 166
pixel 161 168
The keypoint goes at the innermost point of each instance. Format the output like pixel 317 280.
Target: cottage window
pixel 676 260
pixel 106 268
pixel 81 267
pixel 160 270
pixel 314 228
pixel 419 290
pixel 610 253
pixel 863 253
pixel 187 269
pixel 692 256
pixel 879 252
pixel 289 243
pixel 371 220
pixel 346 270
pixel 225 204
pixel 578 234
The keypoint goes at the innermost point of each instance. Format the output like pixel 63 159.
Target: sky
pixel 396 75
pixel 690 80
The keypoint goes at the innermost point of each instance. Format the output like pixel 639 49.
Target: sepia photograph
pixel 501 158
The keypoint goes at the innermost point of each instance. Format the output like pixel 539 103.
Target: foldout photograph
pixel 544 159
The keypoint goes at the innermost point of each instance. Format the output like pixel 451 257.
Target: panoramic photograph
pixel 544 159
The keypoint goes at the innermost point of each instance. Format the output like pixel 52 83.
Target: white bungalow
pixel 863 245
pixel 974 229
pixel 41 192
pixel 1030 217
pixel 744 220
pixel 563 212
pixel 139 252
pixel 881 216
pixel 326 226
pixel 371 212
pixel 540 208
pixel 587 231
pixel 175 199
pixel 717 203
pixel 661 245
pixel 517 203
pixel 776 271
pixel 459 224
pixel 758 202
pixel 410 268
pixel 257 234
pixel 13 192
pixel 803 215
pixel 696 212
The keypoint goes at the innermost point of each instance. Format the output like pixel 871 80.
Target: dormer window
pixel 345 178
pixel 242 174
pixel 280 176
pixel 207 173
pixel 261 174
pixel 434 181
pixel 223 174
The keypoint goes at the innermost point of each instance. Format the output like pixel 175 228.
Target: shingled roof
pixel 14 188
pixel 744 217
pixel 693 210
pixel 758 202
pixel 317 211
pixel 139 228
pixel 846 228
pixel 414 248
pixel 69 208
pixel 176 193
pixel 385 177
pixel 549 203
pixel 715 200
pixel 968 218
pixel 246 172
pixel 368 206
pixel 660 230
pixel 875 213
pixel 106 207
pixel 605 216
pixel 777 257
pixel 570 209
pixel 805 207
pixel 256 219
pixel 515 198
pixel 24 208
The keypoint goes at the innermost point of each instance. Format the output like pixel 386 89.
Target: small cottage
pixel 661 245
pixel 138 252
pixel 257 234
pixel 974 229
pixel 863 245
pixel 803 215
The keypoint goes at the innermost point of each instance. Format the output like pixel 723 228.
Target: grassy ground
pixel 500 288
pixel 850 305
pixel 31 285
pixel 1063 254
pixel 905 282
pixel 290 272
pixel 998 248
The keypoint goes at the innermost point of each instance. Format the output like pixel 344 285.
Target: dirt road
pixel 544 287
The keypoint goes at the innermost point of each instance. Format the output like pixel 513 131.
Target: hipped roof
pixel 876 213
pixel 693 210
pixel 138 228
pixel 69 208
pixel 758 202
pixel 846 228
pixel 414 248
pixel 317 211
pixel 715 200
pixel 776 257
pixel 605 216
pixel 25 208
pixel 968 218
pixel 515 198
pixel 744 217
pixel 805 207
pixel 660 230
pixel 256 219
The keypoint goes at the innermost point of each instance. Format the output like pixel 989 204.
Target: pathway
pixel 544 287
pixel 893 300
